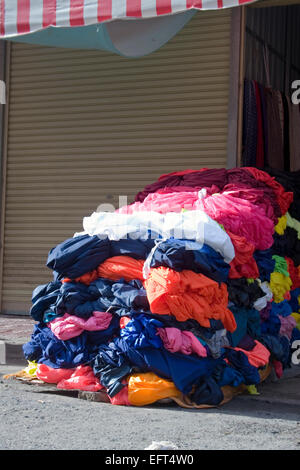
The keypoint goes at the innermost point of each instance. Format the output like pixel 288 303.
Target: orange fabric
pixel 259 356
pixel 147 388
pixel 114 268
pixel 119 267
pixel 188 295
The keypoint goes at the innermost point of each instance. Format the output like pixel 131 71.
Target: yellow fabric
pixel 281 225
pixel 31 368
pixel 293 223
pixel 297 318
pixel 147 388
pixel 279 285
pixel 252 390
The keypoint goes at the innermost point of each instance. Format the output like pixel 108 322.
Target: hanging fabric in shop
pixel 271 124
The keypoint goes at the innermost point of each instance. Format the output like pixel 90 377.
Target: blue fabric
pixel 207 392
pixel 227 375
pixel 265 263
pixel 272 325
pixel 293 302
pixel 45 348
pixel 185 371
pixel 76 256
pixel 76 298
pixel 79 255
pixel 278 346
pixel 43 297
pixel 141 332
pixel 186 254
pixel 281 308
pixel 240 362
pixel 110 365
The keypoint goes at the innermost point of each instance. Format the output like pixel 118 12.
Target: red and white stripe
pixel 26 16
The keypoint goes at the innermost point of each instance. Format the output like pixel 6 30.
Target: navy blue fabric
pixel 45 348
pixel 207 392
pixel 76 256
pixel 79 255
pixel 185 371
pixel 293 302
pixel 110 365
pixel 240 362
pixel 227 375
pixel 122 298
pixel 43 297
pixel 185 254
pixel 137 249
pixel 265 263
pixel 278 346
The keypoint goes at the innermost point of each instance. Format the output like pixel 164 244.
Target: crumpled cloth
pixel 188 225
pixel 240 217
pixel 175 340
pixel 82 378
pixel 279 285
pixel 69 326
pixel 188 295
pixel 259 356
pixel 243 264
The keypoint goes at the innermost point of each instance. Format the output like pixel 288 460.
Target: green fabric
pixel 280 265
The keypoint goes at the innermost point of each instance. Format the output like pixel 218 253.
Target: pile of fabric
pixel 189 292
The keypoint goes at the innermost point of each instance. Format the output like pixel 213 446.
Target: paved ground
pixel 32 417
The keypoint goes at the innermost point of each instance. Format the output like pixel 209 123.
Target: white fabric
pixel 188 225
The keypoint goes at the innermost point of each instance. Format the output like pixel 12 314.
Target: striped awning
pixel 19 17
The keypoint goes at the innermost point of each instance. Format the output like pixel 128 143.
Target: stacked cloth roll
pixel 190 291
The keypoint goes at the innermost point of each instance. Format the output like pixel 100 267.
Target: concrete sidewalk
pixel 16 330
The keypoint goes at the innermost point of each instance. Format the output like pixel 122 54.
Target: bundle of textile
pixel 190 293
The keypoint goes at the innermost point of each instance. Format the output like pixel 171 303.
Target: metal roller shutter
pixel 87 126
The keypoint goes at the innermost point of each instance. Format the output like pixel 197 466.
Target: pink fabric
pixel 52 376
pixel 287 326
pixel 240 217
pixel 83 378
pixel 69 326
pixel 185 342
pixel 254 195
pixel 258 356
pixel 278 369
pixel 163 202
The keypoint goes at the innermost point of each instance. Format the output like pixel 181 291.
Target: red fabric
pixel 121 398
pixel 284 199
pixel 293 272
pixel 52 376
pixel 124 321
pixel 180 173
pixel 243 264
pixel 83 378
